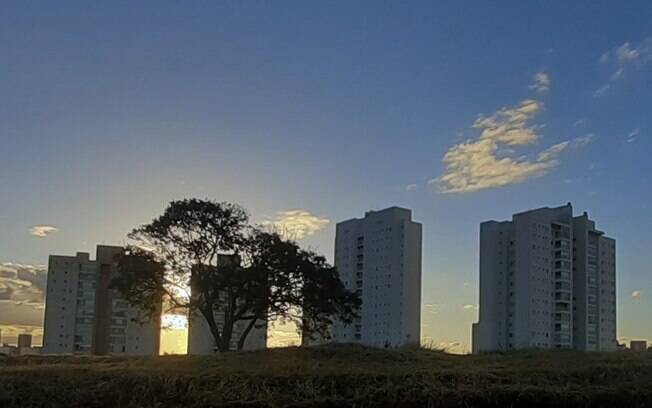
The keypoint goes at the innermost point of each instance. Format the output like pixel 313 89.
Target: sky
pixel 309 113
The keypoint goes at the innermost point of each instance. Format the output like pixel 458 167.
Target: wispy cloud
pixel 636 295
pixel 623 59
pixel 633 135
pixel 432 308
pixel 296 224
pixel 411 187
pixel 43 230
pixel 580 123
pixel 601 91
pixel 582 141
pixel 489 160
pixel 541 82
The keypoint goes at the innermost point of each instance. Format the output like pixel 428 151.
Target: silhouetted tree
pixel 238 272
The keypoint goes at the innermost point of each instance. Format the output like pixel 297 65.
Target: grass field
pixel 332 376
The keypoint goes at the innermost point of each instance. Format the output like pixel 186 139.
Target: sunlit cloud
pixel 297 224
pixel 623 59
pixel 633 135
pixel 453 347
pixel 22 284
pixel 636 295
pixel 490 160
pixel 283 335
pixel 411 187
pixel 42 231
pixel 541 82
pixel 10 333
pixel 22 293
pixel 174 321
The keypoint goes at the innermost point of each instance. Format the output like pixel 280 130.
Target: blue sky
pixel 108 111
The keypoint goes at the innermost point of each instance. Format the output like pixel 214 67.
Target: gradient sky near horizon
pixel 309 113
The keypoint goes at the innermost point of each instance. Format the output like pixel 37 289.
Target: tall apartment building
pixel 83 315
pixel 379 257
pixel 200 338
pixel 547 280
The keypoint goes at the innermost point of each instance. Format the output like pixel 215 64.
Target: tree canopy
pixel 204 257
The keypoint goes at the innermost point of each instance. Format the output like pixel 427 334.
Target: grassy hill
pixel 332 376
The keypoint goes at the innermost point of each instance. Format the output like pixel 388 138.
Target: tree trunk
pixel 245 333
pixel 227 333
pixel 215 331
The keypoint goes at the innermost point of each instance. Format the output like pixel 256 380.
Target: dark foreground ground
pixel 332 376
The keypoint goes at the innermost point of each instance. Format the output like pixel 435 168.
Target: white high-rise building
pixel 83 315
pixel 547 280
pixel 379 257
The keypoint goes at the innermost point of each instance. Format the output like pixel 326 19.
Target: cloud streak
pixel 633 135
pixel 42 231
pixel 623 60
pixel 296 224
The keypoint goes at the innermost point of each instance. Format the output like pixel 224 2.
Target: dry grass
pixel 332 376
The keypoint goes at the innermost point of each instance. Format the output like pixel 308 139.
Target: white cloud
pixel 585 140
pixel 550 154
pixel 633 135
pixel 601 91
pixel 541 82
pixel 296 224
pixel 626 54
pixel 488 161
pixel 636 295
pixel 411 187
pixel 42 230
pixel 580 123
pixel 623 59
pixel 469 306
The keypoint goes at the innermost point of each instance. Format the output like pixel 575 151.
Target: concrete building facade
pixel 547 280
pixel 83 315
pixel 379 257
